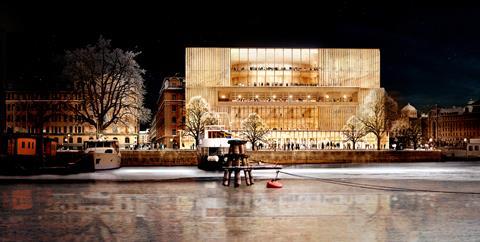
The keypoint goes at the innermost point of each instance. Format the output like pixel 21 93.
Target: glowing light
pixel 274 96
pixel 327 96
pixel 239 96
pixel 344 96
pixel 308 96
pixel 290 96
pixel 256 96
pixel 223 97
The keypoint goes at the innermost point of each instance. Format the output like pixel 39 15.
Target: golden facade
pixel 304 95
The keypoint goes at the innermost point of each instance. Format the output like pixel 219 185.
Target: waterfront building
pixel 46 113
pixel 304 95
pixel 169 118
pixel 454 126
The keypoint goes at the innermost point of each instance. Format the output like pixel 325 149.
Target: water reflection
pixel 187 211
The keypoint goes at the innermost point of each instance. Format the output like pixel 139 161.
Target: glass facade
pixel 304 95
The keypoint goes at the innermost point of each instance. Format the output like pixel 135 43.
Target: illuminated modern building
pixel 45 113
pixel 304 95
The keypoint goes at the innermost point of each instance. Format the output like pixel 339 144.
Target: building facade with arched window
pixel 454 126
pixel 45 112
pixel 304 95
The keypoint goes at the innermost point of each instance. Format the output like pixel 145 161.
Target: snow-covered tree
pixel 254 129
pixel 354 130
pixel 377 113
pixel 198 115
pixel 109 84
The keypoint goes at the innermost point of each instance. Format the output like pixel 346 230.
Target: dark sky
pixel 430 54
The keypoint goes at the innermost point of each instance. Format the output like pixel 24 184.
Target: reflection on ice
pixel 188 211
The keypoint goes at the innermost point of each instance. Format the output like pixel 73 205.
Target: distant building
pixel 454 126
pixel 169 118
pixel 45 113
pixel 143 137
pixel 409 111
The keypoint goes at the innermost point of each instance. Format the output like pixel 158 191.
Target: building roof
pixel 409 111
pixel 475 106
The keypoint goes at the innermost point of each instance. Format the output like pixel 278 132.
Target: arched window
pixel 115 138
pixel 79 140
pixel 91 138
pixel 127 140
pixel 70 140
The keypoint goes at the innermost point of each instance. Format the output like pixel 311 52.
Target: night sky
pixel 430 54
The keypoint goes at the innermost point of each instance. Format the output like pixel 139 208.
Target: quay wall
pixel 189 157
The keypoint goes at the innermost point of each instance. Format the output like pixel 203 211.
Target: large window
pixel 274 67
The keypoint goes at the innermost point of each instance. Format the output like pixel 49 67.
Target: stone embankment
pixel 189 157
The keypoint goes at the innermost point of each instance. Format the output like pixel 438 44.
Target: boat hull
pixel 105 161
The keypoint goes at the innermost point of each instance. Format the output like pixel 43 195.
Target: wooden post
pixel 237 178
pixel 226 177
pixel 247 179
pixel 250 176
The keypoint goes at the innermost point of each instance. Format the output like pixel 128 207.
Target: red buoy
pixel 274 184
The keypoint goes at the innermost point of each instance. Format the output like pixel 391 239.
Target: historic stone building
pixel 46 113
pixel 169 118
pixel 409 112
pixel 304 95
pixel 454 126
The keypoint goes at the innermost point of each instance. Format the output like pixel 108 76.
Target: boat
pixel 75 157
pixel 25 153
pixel 104 154
pixel 35 154
pixel 214 147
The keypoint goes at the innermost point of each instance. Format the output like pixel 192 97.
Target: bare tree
pixel 377 114
pixel 254 129
pixel 198 115
pixel 354 130
pixel 109 84
pixel 410 131
pixel 43 111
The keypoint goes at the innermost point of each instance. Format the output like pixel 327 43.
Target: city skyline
pixel 429 54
